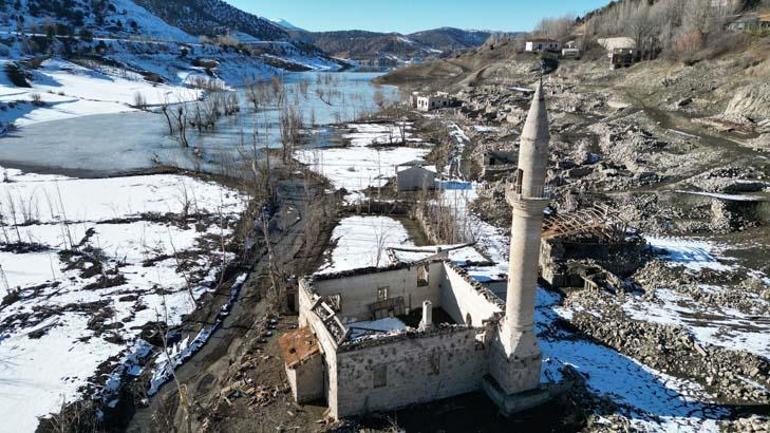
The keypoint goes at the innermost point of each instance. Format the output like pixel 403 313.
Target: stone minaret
pixel 520 351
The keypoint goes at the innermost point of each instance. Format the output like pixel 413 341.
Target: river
pixel 114 144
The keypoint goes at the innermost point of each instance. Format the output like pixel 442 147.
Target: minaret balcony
pixel 514 194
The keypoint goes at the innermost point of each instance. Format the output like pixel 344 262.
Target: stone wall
pixel 426 225
pixel 307 380
pixel 325 340
pixel 359 291
pixel 462 299
pixel 440 364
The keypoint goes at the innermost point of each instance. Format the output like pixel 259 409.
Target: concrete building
pixel 379 339
pixel 415 177
pixel 433 102
pixel 540 45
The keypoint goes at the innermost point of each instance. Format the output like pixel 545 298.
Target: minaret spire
pixel 519 348
pixel 533 154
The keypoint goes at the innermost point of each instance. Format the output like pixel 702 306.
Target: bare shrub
pixel 36 99
pixel 139 101
pixel 291 124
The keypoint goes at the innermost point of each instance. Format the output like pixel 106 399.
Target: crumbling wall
pixel 426 367
pixel 359 290
pixel 558 254
pixel 307 380
pixel 426 225
pixel 325 340
pixel 462 299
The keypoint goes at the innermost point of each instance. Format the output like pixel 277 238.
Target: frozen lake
pixel 108 144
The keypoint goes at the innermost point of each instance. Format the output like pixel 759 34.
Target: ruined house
pixel 498 164
pixel 378 339
pixel 750 23
pixel 590 246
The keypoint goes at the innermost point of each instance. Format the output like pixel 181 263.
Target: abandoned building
pixel 378 339
pixel 415 177
pixel 623 57
pixel 498 164
pixel 433 102
pixel 589 247
pixel 539 45
pixel 750 23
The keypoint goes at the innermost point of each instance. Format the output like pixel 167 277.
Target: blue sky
pixel 408 16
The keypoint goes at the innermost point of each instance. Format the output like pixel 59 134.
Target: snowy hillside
pixel 82 18
pixel 214 17
pixel 287 25
pixel 84 27
pixel 69 58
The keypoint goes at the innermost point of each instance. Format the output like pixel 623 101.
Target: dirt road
pixel 206 373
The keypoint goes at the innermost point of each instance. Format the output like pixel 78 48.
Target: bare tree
pixel 140 102
pixel 291 126
pixel 555 28
pixel 181 124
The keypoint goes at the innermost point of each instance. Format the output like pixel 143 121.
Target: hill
pixel 394 49
pixel 168 40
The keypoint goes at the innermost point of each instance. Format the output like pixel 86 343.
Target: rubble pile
pixel 732 180
pixel 493 104
pixel 751 424
pixel 670 349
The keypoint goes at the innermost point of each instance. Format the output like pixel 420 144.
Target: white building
pixel 368 340
pixel 433 102
pixel 540 45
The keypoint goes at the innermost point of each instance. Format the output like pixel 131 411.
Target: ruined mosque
pixel 379 339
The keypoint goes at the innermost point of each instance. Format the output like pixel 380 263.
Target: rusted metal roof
pixel 598 219
pixel 298 346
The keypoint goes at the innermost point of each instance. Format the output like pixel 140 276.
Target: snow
pixel 483 129
pixel 694 255
pixel 459 254
pixel 103 199
pixel 723 327
pixel 654 401
pixel 107 217
pixel 727 197
pixel 362 242
pixel 386 326
pixel 151 26
pixel 371 134
pixel 356 169
pixel 69 90
pixel 40 374
pixel 362 166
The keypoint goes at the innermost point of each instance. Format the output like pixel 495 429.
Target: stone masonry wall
pixel 325 340
pixel 359 291
pixel 460 299
pixel 425 368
